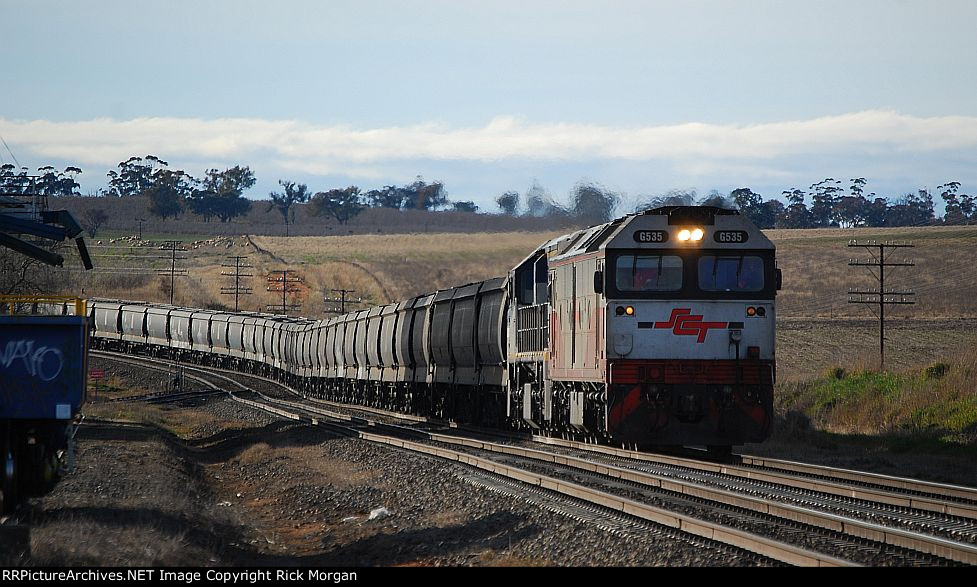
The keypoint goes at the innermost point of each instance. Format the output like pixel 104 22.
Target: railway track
pixel 954 500
pixel 944 508
pixel 809 507
pixel 947 499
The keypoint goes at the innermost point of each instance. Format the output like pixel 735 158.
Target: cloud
pixel 313 149
pixel 897 152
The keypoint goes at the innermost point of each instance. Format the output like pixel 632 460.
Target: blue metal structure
pixel 43 375
pixel 42 366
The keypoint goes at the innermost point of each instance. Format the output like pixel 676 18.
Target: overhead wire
pixel 14 157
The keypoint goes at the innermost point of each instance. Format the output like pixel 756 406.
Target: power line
pixel 341 300
pixel 105 255
pixel 9 151
pixel 173 247
pixel 237 290
pixel 283 283
pixel 880 296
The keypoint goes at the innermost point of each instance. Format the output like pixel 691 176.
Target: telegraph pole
pixel 880 296
pixel 237 289
pixel 341 300
pixel 140 221
pixel 174 247
pixel 284 283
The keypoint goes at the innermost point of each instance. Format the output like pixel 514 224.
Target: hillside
pixel 123 213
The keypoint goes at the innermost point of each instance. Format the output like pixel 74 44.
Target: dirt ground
pixel 260 493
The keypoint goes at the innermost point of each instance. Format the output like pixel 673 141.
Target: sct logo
pixel 684 323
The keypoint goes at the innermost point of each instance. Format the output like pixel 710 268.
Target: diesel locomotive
pixel 654 329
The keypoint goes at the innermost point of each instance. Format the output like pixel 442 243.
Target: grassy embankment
pixel 831 391
pixel 933 406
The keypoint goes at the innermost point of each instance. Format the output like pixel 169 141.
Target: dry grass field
pixel 817 276
pixel 380 268
pixel 808 347
pixel 392 267
pixel 385 267
pixel 818 328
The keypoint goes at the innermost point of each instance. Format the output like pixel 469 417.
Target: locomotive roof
pixel 618 233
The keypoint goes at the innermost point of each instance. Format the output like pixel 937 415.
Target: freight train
pixel 654 329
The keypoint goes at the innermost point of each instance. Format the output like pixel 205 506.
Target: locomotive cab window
pixel 639 273
pixel 732 273
pixel 532 281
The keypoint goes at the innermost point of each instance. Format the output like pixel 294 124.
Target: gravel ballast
pixel 211 482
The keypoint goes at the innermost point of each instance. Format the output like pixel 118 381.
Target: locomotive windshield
pixel 636 273
pixel 692 274
pixel 730 273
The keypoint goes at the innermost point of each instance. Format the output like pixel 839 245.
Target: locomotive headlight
pixel 684 234
pixel 629 310
pixel 697 234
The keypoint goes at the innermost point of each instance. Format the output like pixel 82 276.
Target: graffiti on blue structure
pixel 43 362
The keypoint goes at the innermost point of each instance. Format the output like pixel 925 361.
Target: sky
pixel 488 96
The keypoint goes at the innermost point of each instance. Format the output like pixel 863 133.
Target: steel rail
pixel 936 497
pixel 902 483
pixel 932 501
pixel 759 470
pixel 730 536
pixel 915 541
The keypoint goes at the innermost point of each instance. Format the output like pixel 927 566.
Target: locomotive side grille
pixel 532 328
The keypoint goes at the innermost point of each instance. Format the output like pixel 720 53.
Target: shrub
pixel 835 373
pixel 937 370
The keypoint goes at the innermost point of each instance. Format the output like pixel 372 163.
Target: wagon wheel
pixel 9 466
pixel 42 469
pixel 719 451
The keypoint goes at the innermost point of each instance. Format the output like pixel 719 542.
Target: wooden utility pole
pixel 341 300
pixel 237 290
pixel 174 247
pixel 881 296
pixel 285 283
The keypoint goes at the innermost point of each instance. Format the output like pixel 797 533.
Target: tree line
pixel 824 204
pixel 47 180
pixel 343 204
pixel 219 194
